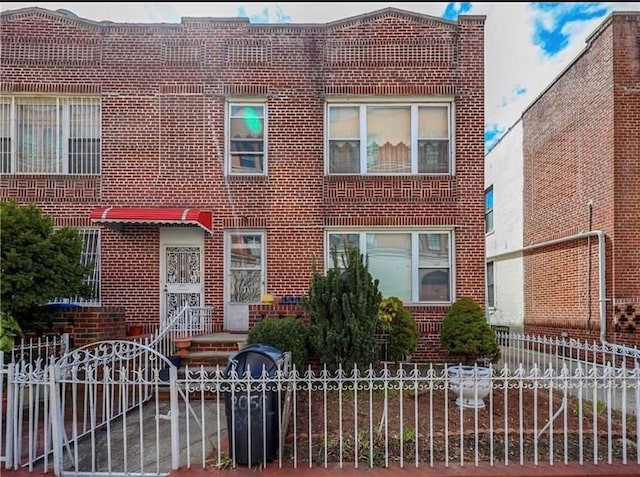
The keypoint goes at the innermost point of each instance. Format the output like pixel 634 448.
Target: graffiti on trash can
pixel 244 405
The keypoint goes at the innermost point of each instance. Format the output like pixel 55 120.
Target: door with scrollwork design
pixel 182 273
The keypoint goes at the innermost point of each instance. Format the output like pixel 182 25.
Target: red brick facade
pixel 163 90
pixel 581 173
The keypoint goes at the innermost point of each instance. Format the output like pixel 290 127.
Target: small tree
pixel 40 263
pixel 466 334
pixel 342 307
pixel 401 327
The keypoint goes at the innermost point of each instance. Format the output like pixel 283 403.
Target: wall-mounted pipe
pixel 602 296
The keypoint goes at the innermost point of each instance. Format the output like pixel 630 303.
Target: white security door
pixel 245 276
pixel 182 267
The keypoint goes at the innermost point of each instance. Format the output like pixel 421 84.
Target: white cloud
pixel 516 70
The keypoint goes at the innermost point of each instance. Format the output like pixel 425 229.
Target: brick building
pixel 581 205
pixel 213 161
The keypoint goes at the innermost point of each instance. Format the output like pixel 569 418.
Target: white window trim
pixel 63 124
pixel 255 101
pixel 415 282
pixel 228 233
pixel 396 101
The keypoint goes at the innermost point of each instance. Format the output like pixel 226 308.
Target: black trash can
pixel 251 404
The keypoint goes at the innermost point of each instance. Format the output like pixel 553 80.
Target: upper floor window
pixel 413 266
pixel 388 139
pixel 50 135
pixel 488 210
pixel 246 144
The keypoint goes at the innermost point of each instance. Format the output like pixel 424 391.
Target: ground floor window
pixel 415 266
pixel 90 255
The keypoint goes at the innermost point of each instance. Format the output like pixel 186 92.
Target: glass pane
pixel 434 285
pixel 5 118
pixel 339 242
pixel 344 157
pixel 390 262
pixel 246 251
pixel 37 138
pixel 344 122
pixel 490 296
pixel 5 136
pixel 488 199
pixel 84 156
pixel 388 139
pixel 245 286
pixel 247 121
pixel 433 157
pixel 84 120
pixel 247 163
pixel 488 222
pixel 433 122
pixel 434 250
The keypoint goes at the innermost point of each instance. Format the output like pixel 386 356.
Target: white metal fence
pixel 120 408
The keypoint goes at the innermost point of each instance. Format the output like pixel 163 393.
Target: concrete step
pixel 213 349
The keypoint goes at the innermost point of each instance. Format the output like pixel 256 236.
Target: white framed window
pixel 387 139
pixel 50 135
pixel 415 266
pixel 90 255
pixel 246 266
pixel 246 138
pixel 488 210
pixel 491 291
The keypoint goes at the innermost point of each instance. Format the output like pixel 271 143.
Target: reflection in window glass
pixel 389 138
pixel 491 299
pixel 425 277
pixel 434 285
pixel 488 210
pixel 246 138
pixel 390 262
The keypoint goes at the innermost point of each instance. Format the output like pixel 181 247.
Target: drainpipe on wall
pixel 602 298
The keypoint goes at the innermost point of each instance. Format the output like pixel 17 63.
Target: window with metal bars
pixel 50 135
pixel 90 255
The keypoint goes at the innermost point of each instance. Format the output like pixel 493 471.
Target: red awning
pixel 153 215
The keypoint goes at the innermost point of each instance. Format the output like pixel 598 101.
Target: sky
pixel 527 45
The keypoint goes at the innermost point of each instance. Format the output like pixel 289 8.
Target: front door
pixel 182 267
pixel 245 276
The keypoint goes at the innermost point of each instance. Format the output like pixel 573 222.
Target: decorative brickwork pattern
pixel 164 92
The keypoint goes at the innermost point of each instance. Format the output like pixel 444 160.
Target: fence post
pixel 175 415
pixel 57 421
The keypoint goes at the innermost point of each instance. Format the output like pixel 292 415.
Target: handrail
pixel 188 320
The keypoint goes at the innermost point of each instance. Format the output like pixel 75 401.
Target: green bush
pixel 342 307
pixel 40 263
pixel 10 331
pixel 401 327
pixel 285 334
pixel 466 335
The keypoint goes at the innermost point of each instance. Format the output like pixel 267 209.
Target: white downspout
pixel 602 296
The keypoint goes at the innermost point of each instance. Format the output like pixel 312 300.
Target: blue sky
pixel 527 45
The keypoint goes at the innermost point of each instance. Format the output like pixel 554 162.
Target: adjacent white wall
pixel 504 170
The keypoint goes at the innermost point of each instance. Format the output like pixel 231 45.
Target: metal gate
pixel 114 411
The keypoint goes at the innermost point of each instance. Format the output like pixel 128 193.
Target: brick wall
pixel 163 90
pixel 581 168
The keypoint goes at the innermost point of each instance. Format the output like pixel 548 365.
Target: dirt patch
pixel 378 425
